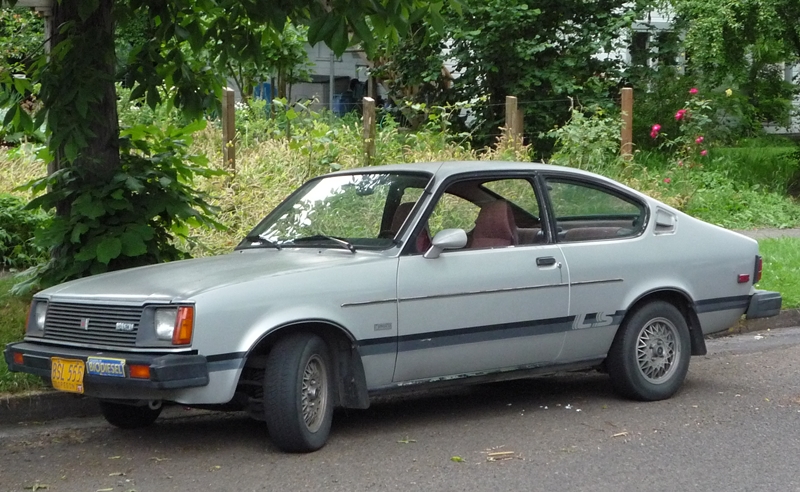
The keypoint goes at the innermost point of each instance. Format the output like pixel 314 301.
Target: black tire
pixel 298 396
pixel 650 355
pixel 128 416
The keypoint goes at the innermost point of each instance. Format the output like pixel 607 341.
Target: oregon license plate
pixel 67 374
pixel 101 366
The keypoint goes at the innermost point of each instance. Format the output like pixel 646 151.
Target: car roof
pixel 445 169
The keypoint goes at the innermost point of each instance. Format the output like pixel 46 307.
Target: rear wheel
pixel 650 354
pixel 129 416
pixel 298 398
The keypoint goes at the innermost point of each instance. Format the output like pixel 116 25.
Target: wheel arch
pixel 349 378
pixel 685 304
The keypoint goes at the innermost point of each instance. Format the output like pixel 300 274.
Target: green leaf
pixel 86 206
pixel 133 244
pixel 77 231
pixel 108 249
pixel 322 28
pixel 10 115
pixel 339 40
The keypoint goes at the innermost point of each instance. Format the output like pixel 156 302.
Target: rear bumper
pixel 763 304
pixel 167 371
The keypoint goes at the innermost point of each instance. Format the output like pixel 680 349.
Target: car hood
pixel 181 280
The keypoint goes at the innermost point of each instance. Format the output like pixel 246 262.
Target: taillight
pixel 759 267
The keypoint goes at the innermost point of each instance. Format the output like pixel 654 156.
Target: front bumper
pixel 167 371
pixel 764 304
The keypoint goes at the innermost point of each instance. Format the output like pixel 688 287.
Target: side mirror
pixel 446 239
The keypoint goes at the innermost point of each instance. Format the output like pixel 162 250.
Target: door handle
pixel 545 261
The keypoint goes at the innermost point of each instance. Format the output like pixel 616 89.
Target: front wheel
pixel 129 416
pixel 298 397
pixel 650 355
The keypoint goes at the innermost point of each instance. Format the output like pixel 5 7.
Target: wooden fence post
pixel 228 129
pixel 512 120
pixel 626 147
pixel 368 117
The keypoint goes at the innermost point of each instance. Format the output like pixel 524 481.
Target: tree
pixel 744 43
pixel 542 51
pixel 96 178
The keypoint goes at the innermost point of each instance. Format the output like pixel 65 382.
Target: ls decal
pixel 591 320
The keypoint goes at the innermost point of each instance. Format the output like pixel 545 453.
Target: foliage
pixel 20 37
pixel 590 143
pixel 539 51
pixel 284 56
pixel 741 45
pixel 132 219
pixel 13 312
pixel 79 104
pixel 782 269
pixel 134 113
pixel 17 227
pixel 689 144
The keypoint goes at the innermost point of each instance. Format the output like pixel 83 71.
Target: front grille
pixel 92 324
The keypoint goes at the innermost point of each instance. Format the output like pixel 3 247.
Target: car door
pixel 500 303
pixel 599 230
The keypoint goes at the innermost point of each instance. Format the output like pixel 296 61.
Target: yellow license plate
pixel 67 374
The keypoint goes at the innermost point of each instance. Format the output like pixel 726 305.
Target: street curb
pixel 53 405
pixel 45 405
pixel 785 319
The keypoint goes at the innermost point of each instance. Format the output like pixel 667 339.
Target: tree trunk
pixel 93 53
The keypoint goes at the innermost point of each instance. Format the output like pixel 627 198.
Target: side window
pixel 587 213
pixel 519 192
pixel 452 212
pixel 495 212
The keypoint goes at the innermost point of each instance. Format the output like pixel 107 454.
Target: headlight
pixel 37 315
pixel 41 315
pixel 165 323
pixel 175 324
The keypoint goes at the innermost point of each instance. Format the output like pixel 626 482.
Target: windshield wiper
pixel 341 242
pixel 261 240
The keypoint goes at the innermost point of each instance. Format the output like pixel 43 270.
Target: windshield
pixel 352 211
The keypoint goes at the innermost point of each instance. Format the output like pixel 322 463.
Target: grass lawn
pixel 782 269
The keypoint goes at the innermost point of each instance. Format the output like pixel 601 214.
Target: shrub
pixel 17 228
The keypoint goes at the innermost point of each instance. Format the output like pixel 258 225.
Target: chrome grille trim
pixel 64 323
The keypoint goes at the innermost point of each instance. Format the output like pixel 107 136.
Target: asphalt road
pixel 735 426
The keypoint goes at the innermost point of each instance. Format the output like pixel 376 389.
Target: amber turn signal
pixel 18 359
pixel 184 324
pixel 139 371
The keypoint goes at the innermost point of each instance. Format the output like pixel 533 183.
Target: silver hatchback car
pixel 401 277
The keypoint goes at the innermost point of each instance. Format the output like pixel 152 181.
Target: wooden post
pixel 626 147
pixel 511 119
pixel 369 130
pixel 228 129
pixel 518 129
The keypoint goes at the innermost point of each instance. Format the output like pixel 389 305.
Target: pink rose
pixel 703 152
pixel 693 91
pixel 654 130
pixel 667 180
pixel 680 114
pixel 699 140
